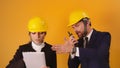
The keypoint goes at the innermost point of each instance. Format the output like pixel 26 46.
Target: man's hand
pixel 66 47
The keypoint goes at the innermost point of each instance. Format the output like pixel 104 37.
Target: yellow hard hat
pixel 76 16
pixel 37 24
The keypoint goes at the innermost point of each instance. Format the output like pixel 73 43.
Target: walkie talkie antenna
pixel 69 33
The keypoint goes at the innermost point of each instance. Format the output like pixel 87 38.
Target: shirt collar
pixel 89 35
pixel 38 47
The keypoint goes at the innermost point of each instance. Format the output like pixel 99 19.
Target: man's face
pixel 78 28
pixel 37 37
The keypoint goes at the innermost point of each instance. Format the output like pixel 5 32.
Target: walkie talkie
pixel 74 49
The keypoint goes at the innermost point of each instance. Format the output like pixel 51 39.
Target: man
pixel 91 50
pixel 37 32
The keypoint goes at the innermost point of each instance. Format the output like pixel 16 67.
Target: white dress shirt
pixel 38 48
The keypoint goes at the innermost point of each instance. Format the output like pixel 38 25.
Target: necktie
pixel 85 42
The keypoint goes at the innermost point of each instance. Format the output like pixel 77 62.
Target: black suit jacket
pixel 96 53
pixel 17 61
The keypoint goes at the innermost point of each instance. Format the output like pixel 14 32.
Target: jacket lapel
pixel 92 39
pixel 30 47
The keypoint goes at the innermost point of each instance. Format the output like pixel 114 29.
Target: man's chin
pixel 79 36
pixel 38 43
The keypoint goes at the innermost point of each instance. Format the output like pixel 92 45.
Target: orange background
pixel 14 16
